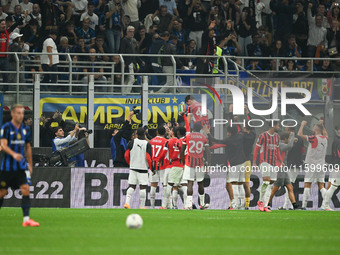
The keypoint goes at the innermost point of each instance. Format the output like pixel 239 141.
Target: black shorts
pixel 12 179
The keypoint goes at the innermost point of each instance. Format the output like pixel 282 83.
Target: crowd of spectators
pixel 254 28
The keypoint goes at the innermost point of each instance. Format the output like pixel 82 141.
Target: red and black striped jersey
pixel 157 146
pixel 167 151
pixel 195 143
pixel 269 148
pixel 196 109
pixel 4 40
pixel 175 156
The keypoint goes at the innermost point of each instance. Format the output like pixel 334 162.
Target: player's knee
pixel 132 186
pixel 3 192
pixel 142 186
pixel 25 190
pixel 266 182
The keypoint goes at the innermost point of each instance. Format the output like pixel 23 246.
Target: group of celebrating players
pixel 178 156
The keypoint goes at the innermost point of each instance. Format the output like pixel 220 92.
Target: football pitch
pixel 103 231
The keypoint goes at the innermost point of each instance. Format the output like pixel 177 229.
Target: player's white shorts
pixel 175 175
pixel 193 173
pixel 335 177
pixel 236 173
pixel 293 173
pixel 313 174
pixel 136 178
pixel 158 176
pixel 268 170
pixel 166 176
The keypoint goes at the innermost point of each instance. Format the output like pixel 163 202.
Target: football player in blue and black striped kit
pixel 16 159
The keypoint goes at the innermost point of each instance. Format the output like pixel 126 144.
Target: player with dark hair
pixel 194 145
pixel 335 180
pixel 195 108
pixel 16 144
pixel 268 145
pixel 157 146
pixel 139 156
pixel 315 159
pixel 236 158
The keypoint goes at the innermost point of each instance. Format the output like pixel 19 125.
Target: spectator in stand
pixel 31 35
pixel 81 48
pixel 273 65
pixel 16 46
pixel 127 47
pixel 157 44
pixel 165 19
pixel 182 7
pixel 325 66
pixel 284 10
pixel 232 11
pixel 147 7
pixel 8 6
pixel 334 14
pixel 113 28
pixel 77 73
pixel 321 10
pixel 4 43
pixel 277 50
pixel 18 15
pixel 117 69
pixel 66 6
pixel 221 12
pixel 265 36
pixel 230 45
pixel 317 38
pixel 96 68
pixel 254 65
pixel 308 66
pixel 79 7
pixel 100 47
pixel 70 33
pixel 259 48
pixel 130 8
pixel 208 41
pixel 51 16
pixel 91 15
pixel 99 6
pixel 197 22
pixel 290 66
pixel 3 15
pixel 171 6
pixel 63 47
pixel 213 15
pixel 26 5
pixel 126 23
pixel 170 49
pixel 190 50
pixel 178 30
pixel 333 38
pixel 87 33
pixel 293 50
pixel 144 40
pixel 247 26
pixel 35 14
pixel 49 62
pixel 300 28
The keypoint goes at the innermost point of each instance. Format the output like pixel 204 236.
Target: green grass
pixel 103 231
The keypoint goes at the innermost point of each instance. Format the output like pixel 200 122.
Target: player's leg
pixel 229 188
pixel 273 192
pixel 143 180
pixel 200 172
pixel 273 171
pixel 291 195
pixel 321 185
pixel 306 193
pixel 154 183
pixel 328 196
pixel 133 181
pixel 3 192
pixel 188 204
pixel 264 168
pixel 246 185
pixel 184 189
pixel 241 191
pixel 175 197
pixel 25 206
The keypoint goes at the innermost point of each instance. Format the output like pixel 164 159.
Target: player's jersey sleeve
pixel 313 140
pixel 260 140
pixel 4 133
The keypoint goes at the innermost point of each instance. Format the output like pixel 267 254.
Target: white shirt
pixel 78 6
pixel 28 7
pixel 138 153
pixel 94 19
pixel 3 15
pixel 61 143
pixel 317 149
pixel 44 58
pixel 130 8
pixel 30 16
pixel 11 7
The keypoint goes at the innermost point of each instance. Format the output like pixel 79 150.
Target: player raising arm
pixel 15 143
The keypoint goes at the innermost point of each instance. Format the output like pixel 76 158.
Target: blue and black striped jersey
pixel 17 138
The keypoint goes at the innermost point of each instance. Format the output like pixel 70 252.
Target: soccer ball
pixel 134 221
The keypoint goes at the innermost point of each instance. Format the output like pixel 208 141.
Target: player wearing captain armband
pixel 315 159
pixel 157 146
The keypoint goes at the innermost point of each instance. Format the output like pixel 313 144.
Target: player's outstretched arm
pixel 324 131
pixel 300 133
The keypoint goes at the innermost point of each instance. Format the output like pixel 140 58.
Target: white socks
pixel 166 196
pixel 241 195
pixel 263 190
pixel 142 198
pixel 328 197
pixel 26 218
pixel 267 195
pixel 129 194
pixel 153 196
pixel 202 203
pixel 235 191
pixel 305 197
pixel 323 192
pixel 288 203
pixel 175 197
pixel 188 203
pixel 184 189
